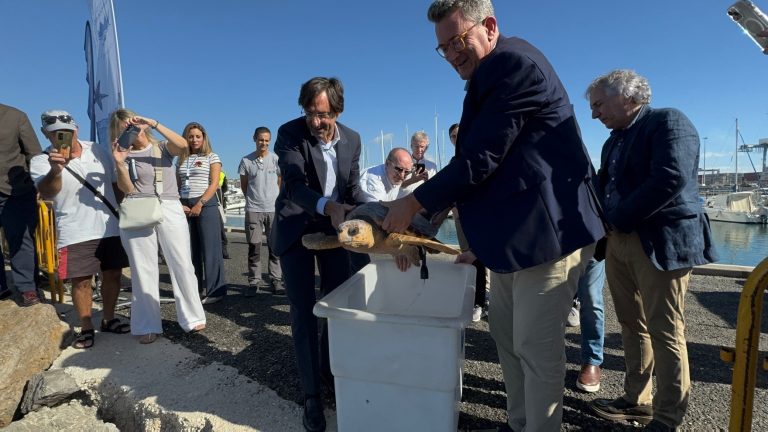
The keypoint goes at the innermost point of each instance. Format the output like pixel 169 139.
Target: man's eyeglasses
pixel 456 43
pixel 400 169
pixel 49 119
pixel 319 116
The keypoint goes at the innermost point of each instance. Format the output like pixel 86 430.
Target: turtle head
pixel 356 233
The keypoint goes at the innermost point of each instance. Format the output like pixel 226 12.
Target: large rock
pixel 30 339
pixel 49 388
pixel 72 417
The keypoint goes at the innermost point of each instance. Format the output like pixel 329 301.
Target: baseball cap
pixel 57 120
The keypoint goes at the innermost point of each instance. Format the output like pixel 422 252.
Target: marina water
pixel 739 244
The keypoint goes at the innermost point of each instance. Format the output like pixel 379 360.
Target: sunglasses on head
pixel 49 119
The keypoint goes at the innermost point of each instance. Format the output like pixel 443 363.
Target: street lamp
pixel 704 169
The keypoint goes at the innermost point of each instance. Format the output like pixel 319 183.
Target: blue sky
pixel 235 65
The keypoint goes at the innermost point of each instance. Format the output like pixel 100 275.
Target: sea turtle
pixel 362 232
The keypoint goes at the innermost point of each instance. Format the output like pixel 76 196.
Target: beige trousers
pixel 527 315
pixel 649 305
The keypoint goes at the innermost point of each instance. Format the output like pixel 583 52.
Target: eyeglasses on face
pixel 456 43
pixel 49 119
pixel 400 170
pixel 319 116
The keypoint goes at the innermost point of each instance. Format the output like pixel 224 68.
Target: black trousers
pixel 334 266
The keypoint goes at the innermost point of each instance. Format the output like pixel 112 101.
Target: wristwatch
pixel 203 201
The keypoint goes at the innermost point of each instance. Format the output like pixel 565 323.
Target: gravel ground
pixel 253 335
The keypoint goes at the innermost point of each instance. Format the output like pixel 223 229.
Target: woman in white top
pixel 198 171
pixel 136 178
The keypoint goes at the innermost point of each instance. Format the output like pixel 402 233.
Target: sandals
pixel 84 340
pixel 148 338
pixel 115 326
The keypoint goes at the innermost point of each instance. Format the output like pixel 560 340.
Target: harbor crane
pixel 748 148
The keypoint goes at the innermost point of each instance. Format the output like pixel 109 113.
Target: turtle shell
pixel 375 212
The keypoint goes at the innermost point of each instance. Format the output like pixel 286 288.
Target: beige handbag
pixel 138 213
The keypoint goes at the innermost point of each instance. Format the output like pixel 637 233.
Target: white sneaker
pixel 573 316
pixel 477 314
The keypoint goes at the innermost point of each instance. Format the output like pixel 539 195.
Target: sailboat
pixel 738 206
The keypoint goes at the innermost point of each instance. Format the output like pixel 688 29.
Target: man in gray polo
pixel 260 182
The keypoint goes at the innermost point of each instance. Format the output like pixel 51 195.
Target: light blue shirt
pixel 330 191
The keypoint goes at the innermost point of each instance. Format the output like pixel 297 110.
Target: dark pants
pixel 205 239
pixel 18 217
pixel 257 223
pixel 298 263
pixel 481 279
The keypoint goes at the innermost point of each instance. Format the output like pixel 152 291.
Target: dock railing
pixel 45 246
pixel 744 355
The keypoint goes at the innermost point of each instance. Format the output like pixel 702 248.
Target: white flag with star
pixel 102 57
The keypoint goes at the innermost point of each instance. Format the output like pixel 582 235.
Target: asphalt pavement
pixel 248 340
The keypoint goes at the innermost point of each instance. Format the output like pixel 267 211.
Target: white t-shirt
pixel 194 174
pixel 376 185
pixel 431 168
pixel 81 215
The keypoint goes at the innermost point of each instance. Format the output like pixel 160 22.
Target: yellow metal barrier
pixel 744 356
pixel 47 254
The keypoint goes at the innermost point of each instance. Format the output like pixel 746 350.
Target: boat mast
pixel 736 157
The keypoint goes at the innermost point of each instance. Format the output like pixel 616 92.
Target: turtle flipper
pixel 418 241
pixel 319 241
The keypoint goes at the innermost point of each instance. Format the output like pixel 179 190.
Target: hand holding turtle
pixel 401 212
pixel 467 257
pixel 337 212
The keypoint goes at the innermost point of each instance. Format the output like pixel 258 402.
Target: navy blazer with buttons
pixel 658 188
pixel 303 172
pixel 520 174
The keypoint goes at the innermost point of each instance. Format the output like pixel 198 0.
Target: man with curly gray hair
pixel 658 231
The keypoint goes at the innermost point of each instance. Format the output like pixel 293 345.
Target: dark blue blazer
pixel 658 188
pixel 520 174
pixel 303 172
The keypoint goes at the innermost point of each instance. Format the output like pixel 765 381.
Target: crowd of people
pixel 542 227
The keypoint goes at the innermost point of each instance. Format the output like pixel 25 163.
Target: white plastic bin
pixel 397 346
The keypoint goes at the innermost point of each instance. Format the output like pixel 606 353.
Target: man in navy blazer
pixel 658 231
pixel 520 181
pixel 318 159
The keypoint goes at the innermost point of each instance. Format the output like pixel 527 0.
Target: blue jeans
pixel 18 217
pixel 592 320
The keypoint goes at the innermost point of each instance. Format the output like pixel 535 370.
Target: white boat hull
pixel 721 215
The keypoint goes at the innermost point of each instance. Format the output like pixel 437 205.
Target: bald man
pixel 382 182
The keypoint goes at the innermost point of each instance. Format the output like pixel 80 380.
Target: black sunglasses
pixel 49 119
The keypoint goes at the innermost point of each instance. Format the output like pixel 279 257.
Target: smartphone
pixel 128 137
pixel 752 20
pixel 63 142
pixel 419 167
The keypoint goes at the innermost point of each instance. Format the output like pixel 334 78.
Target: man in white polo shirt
pixel 382 182
pixel 86 220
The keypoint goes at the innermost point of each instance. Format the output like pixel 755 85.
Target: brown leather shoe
pixel 619 409
pixel 589 378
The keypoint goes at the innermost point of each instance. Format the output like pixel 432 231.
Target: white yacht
pixel 738 207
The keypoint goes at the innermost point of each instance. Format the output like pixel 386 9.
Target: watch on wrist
pixel 203 201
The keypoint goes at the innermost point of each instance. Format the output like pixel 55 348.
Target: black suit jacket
pixel 520 174
pixel 18 144
pixel 303 175
pixel 657 183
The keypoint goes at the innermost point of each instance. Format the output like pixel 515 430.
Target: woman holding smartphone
pixel 198 171
pixel 136 178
